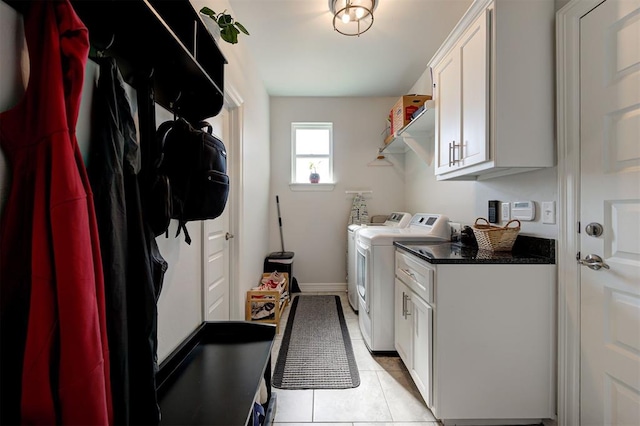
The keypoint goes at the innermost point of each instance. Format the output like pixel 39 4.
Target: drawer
pixel 416 274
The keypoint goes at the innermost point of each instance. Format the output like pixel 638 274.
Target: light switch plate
pixel 505 212
pixel 549 212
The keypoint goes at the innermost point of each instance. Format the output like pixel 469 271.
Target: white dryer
pixel 395 220
pixel 375 271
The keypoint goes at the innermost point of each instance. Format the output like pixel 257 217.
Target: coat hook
pixel 175 101
pixel 174 105
pixel 113 38
pixel 100 52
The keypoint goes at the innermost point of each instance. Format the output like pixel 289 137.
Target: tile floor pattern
pixel 386 395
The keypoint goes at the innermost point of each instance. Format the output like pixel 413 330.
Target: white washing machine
pixel 375 271
pixel 395 220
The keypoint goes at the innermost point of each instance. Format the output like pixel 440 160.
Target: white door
pixel 422 368
pixel 403 323
pixel 610 197
pixel 474 143
pixel 447 98
pixel 215 245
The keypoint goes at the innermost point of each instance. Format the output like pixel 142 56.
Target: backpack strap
pixel 163 131
pixel 207 125
pixel 182 225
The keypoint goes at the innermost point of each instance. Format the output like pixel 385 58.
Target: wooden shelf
pixel 280 300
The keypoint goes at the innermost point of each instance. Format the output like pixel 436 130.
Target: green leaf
pixel 229 27
pixel 205 10
pixel 242 28
pixel 234 33
pixel 229 34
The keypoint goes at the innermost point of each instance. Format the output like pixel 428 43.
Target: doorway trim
pixel 235 105
pixel 568 137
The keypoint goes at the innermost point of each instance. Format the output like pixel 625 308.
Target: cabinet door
pixel 447 92
pixel 475 86
pixel 403 331
pixel 422 368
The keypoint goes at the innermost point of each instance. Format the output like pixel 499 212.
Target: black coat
pixel 133 266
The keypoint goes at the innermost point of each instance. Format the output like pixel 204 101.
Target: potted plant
pixel 229 27
pixel 314 177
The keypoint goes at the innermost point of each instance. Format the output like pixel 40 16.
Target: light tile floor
pixel 386 396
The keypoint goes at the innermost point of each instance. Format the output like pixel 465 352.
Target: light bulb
pixel 359 12
pixel 345 18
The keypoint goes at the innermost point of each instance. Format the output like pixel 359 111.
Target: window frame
pixel 294 156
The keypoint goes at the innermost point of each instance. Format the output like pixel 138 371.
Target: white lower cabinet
pixel 413 330
pixel 421 369
pixel 403 324
pixel 478 339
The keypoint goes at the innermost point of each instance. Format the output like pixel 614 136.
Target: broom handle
pixel 280 223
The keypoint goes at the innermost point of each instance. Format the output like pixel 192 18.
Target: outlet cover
pixel 549 212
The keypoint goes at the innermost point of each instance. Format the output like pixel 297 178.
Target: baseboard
pixel 509 422
pixel 322 287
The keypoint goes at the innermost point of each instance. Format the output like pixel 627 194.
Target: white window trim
pixel 303 186
pixel 312 186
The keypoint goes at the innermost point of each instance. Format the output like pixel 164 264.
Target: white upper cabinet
pixel 493 91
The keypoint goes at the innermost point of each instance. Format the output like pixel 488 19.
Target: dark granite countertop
pixel 526 250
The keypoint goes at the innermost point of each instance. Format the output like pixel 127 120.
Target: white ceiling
pixel 298 53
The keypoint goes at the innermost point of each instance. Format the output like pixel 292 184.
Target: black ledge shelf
pixel 164 39
pixel 213 377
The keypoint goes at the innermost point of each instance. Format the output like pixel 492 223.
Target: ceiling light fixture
pixel 352 17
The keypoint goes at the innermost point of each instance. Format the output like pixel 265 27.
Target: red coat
pixel 50 257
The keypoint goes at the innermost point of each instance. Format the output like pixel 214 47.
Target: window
pixel 311 152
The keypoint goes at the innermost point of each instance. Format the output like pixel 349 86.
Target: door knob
pixel 593 261
pixel 594 229
pixel 228 236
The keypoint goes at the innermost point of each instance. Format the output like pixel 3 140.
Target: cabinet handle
pixel 456 147
pixel 409 273
pixel 450 148
pixel 405 307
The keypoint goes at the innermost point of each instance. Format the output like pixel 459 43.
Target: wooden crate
pixel 257 297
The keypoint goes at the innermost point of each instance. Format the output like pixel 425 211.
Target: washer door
pixel 363 259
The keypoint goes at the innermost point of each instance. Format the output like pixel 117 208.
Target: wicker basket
pixel 495 238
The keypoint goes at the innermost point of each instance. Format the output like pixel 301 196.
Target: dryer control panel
pixel 436 225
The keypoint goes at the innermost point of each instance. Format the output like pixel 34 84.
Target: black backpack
pixel 194 162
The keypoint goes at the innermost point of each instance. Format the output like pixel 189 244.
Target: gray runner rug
pixel 316 350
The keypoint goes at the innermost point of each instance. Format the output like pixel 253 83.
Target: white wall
pixel 315 223
pixel 13 76
pixel 464 201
